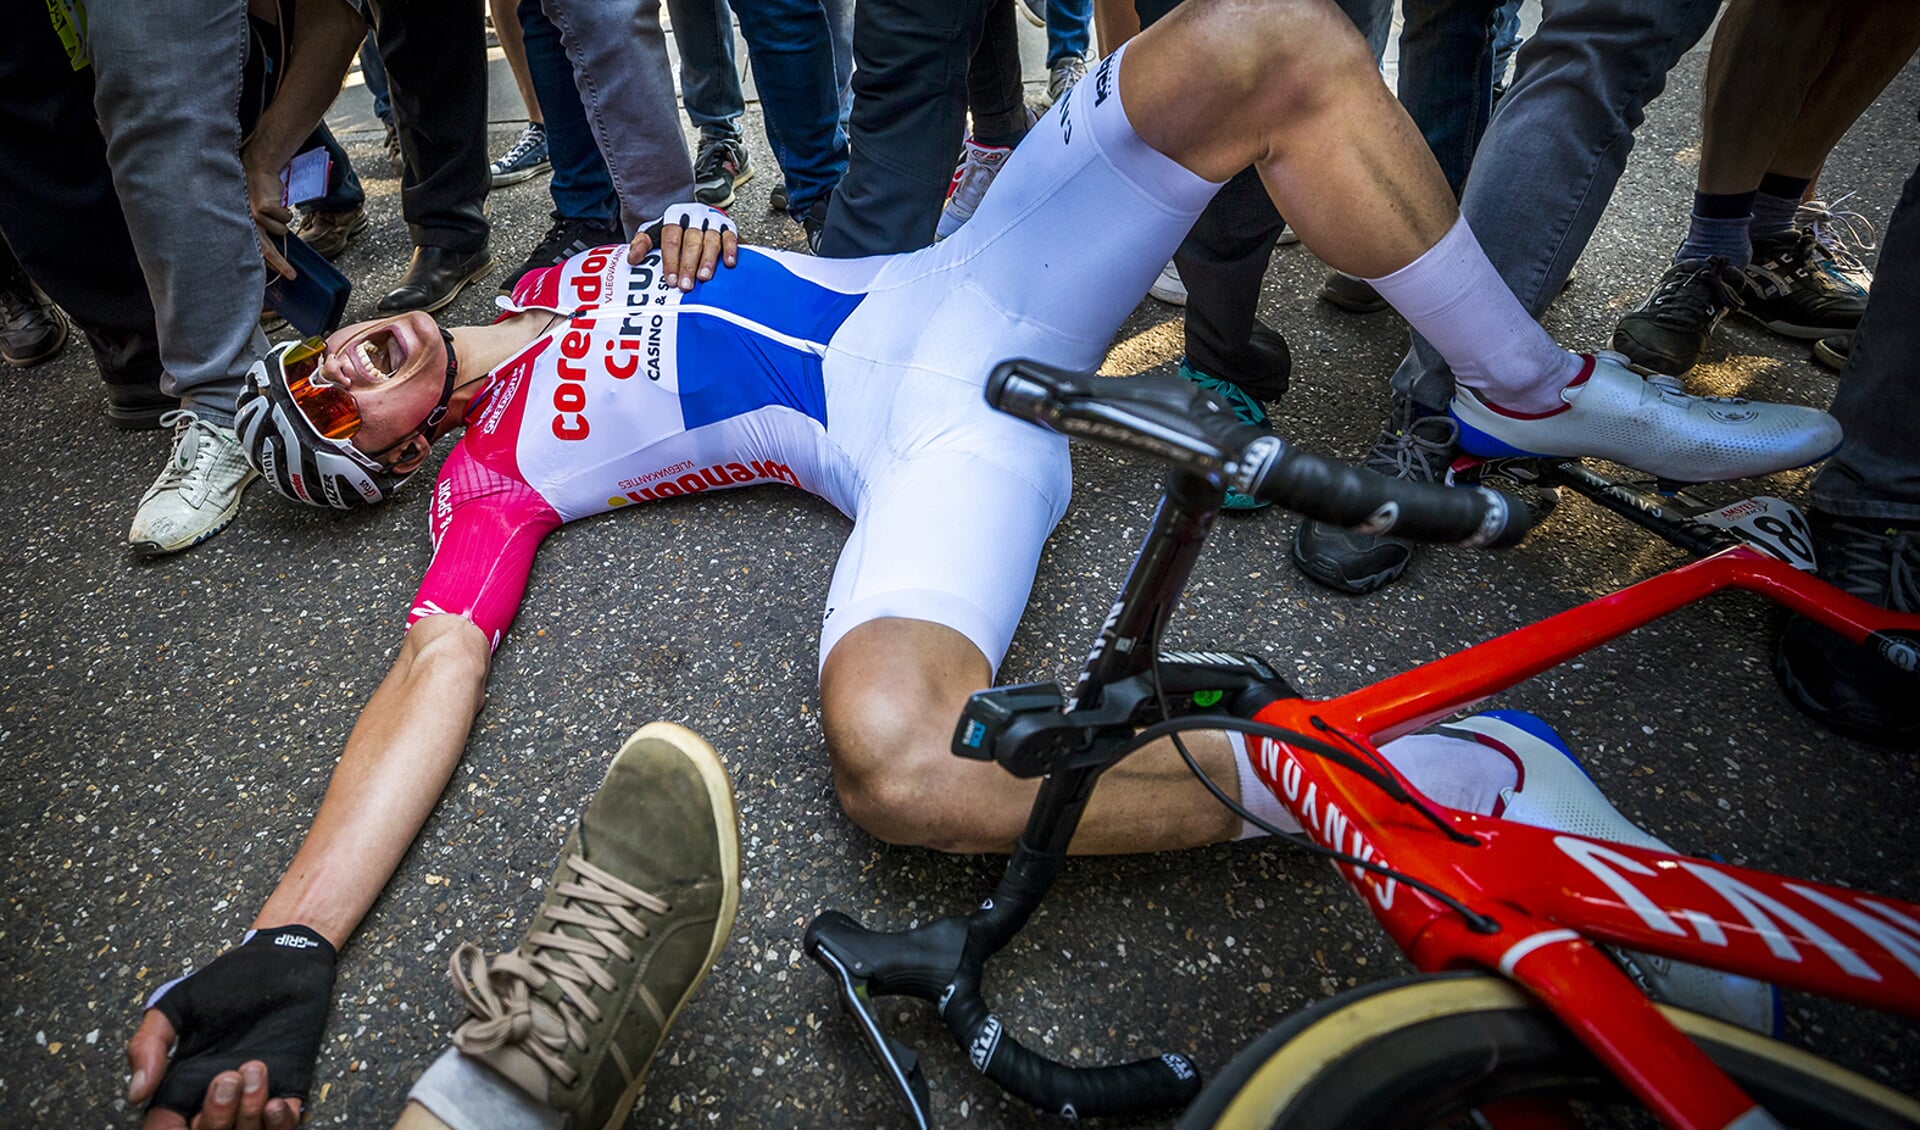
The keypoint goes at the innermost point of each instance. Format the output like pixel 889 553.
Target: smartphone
pixel 313 302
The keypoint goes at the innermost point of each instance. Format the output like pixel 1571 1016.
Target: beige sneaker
pixel 641 905
pixel 198 491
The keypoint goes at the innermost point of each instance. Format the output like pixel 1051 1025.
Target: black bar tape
pixel 266 999
pixel 1165 1082
pixel 1344 495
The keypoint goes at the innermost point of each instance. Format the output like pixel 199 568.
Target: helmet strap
pixel 431 427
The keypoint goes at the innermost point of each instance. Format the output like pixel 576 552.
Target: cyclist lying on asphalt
pixel 609 382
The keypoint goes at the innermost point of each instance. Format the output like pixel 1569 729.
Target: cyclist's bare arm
pixel 398 759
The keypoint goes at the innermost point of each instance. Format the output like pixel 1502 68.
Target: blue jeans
pixel 791 47
pixel 1876 472
pixel 1069 24
pixel 1549 160
pixel 373 72
pixel 581 186
pixel 709 77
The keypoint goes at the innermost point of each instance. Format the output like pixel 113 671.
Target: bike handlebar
pixel 1190 429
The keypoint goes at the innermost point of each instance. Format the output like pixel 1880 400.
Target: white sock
pixel 468 1095
pixel 1453 772
pixel 1452 296
pixel 1255 796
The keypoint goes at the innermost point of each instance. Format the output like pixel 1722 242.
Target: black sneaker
pixel 815 222
pixel 32 329
pixel 1834 351
pixel 1667 332
pixel 1350 293
pixel 565 239
pixel 1842 685
pixel 719 167
pixel 1412 447
pixel 777 199
pixel 526 160
pixel 1794 288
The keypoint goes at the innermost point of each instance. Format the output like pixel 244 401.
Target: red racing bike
pixel 1517 1009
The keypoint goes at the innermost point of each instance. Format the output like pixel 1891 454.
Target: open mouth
pixel 378 356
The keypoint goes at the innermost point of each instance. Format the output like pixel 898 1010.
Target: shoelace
pixel 712 158
pixel 1874 565
pixel 189 447
pixel 1403 453
pixel 1838 231
pixel 531 138
pixel 600 904
pixel 1070 71
pixel 1699 290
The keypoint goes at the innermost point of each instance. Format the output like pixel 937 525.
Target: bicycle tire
pixel 1420 1050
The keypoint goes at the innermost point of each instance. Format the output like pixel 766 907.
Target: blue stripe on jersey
pixel 728 370
pixel 761 289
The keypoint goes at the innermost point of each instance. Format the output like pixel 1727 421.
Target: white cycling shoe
pixel 1651 424
pixel 1555 793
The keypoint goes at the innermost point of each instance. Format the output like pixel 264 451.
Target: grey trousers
pixel 619 56
pixel 1551 156
pixel 167 90
pixel 1876 472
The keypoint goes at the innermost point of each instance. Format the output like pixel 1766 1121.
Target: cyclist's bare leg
pixel 890 692
pixel 1292 88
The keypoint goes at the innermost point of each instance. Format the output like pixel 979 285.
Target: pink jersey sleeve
pixel 486 527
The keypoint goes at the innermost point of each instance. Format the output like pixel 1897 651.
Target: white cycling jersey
pixel 858 380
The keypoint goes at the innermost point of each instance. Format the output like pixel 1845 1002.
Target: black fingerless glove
pixel 266 999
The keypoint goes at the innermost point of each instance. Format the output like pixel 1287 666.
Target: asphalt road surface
pixel 166 729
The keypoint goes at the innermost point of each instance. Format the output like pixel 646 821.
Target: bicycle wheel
pixel 1420 1051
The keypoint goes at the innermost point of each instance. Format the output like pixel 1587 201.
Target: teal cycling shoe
pixel 1247 409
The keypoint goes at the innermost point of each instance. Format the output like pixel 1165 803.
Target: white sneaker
pixel 1287 236
pixel 1168 287
pixel 197 493
pixel 979 164
pixel 1555 793
pixel 1651 424
pixel 1062 77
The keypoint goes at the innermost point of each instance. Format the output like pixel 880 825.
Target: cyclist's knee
pixel 895 778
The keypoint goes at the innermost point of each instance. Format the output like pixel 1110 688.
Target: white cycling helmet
pixel 293 454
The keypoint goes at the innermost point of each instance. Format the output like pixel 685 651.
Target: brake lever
pixel 897 1062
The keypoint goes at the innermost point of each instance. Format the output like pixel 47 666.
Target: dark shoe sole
pixel 381 307
pixel 138 418
pixel 1798 331
pixel 27 361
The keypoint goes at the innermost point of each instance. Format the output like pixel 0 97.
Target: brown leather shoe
pixel 434 278
pixel 330 232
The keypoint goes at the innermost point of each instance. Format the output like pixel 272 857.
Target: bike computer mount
pixel 1027 728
